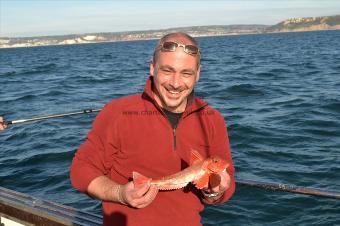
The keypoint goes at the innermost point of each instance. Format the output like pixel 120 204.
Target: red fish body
pixel 198 173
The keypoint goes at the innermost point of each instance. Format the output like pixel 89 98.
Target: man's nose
pixel 176 81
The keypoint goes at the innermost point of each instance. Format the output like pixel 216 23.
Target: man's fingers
pixel 225 180
pixel 218 182
pixel 147 198
pixel 151 194
pixel 141 190
pixel 2 124
pixel 214 180
pixel 224 183
pixel 141 196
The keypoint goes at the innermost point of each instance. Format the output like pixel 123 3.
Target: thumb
pixel 142 189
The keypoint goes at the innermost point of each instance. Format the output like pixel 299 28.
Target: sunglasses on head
pixel 172 46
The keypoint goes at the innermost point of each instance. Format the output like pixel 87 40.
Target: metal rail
pixel 289 188
pixel 28 209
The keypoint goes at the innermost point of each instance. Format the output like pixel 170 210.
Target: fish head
pixel 216 165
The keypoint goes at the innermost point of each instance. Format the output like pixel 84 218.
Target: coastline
pixel 196 31
pixel 152 38
pixel 108 41
pixel 302 24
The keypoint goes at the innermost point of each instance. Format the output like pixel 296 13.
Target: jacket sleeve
pixel 94 156
pixel 220 146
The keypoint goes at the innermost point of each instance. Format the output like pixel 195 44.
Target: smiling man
pixel 153 133
pixel 176 69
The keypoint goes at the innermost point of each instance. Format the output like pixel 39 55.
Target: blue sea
pixel 279 94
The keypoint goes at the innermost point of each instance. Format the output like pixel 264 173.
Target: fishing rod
pixel 289 188
pixel 249 183
pixel 39 118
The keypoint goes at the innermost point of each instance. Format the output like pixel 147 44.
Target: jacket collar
pixel 194 103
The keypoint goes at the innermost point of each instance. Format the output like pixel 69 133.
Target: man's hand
pixel 2 123
pixel 138 197
pixel 105 189
pixel 218 184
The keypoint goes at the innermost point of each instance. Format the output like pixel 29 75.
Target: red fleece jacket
pixel 133 134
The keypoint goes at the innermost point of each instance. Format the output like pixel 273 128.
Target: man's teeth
pixel 174 92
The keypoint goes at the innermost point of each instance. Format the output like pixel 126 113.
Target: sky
pixel 23 18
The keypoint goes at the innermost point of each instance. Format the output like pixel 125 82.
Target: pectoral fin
pixel 214 180
pixel 202 182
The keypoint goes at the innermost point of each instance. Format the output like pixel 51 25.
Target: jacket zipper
pixel 174 129
pixel 174 146
pixel 174 138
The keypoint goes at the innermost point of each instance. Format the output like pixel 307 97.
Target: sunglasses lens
pixel 191 49
pixel 169 46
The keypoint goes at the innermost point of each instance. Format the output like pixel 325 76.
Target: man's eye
pixel 187 74
pixel 166 71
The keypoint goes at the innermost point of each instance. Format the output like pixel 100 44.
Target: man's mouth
pixel 174 92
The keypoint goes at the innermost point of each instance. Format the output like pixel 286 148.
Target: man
pixel 2 123
pixel 153 133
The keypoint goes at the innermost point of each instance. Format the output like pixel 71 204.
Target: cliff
pixel 307 24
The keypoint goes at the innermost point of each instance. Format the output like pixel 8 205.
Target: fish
pixel 201 173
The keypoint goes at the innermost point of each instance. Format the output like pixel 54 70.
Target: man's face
pixel 175 75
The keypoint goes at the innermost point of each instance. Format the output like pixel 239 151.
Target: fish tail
pixel 139 179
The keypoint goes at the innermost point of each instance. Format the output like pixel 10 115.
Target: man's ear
pixel 152 68
pixel 198 73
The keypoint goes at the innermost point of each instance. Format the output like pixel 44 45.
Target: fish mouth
pixel 213 171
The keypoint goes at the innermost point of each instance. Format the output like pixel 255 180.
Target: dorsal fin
pixel 195 157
